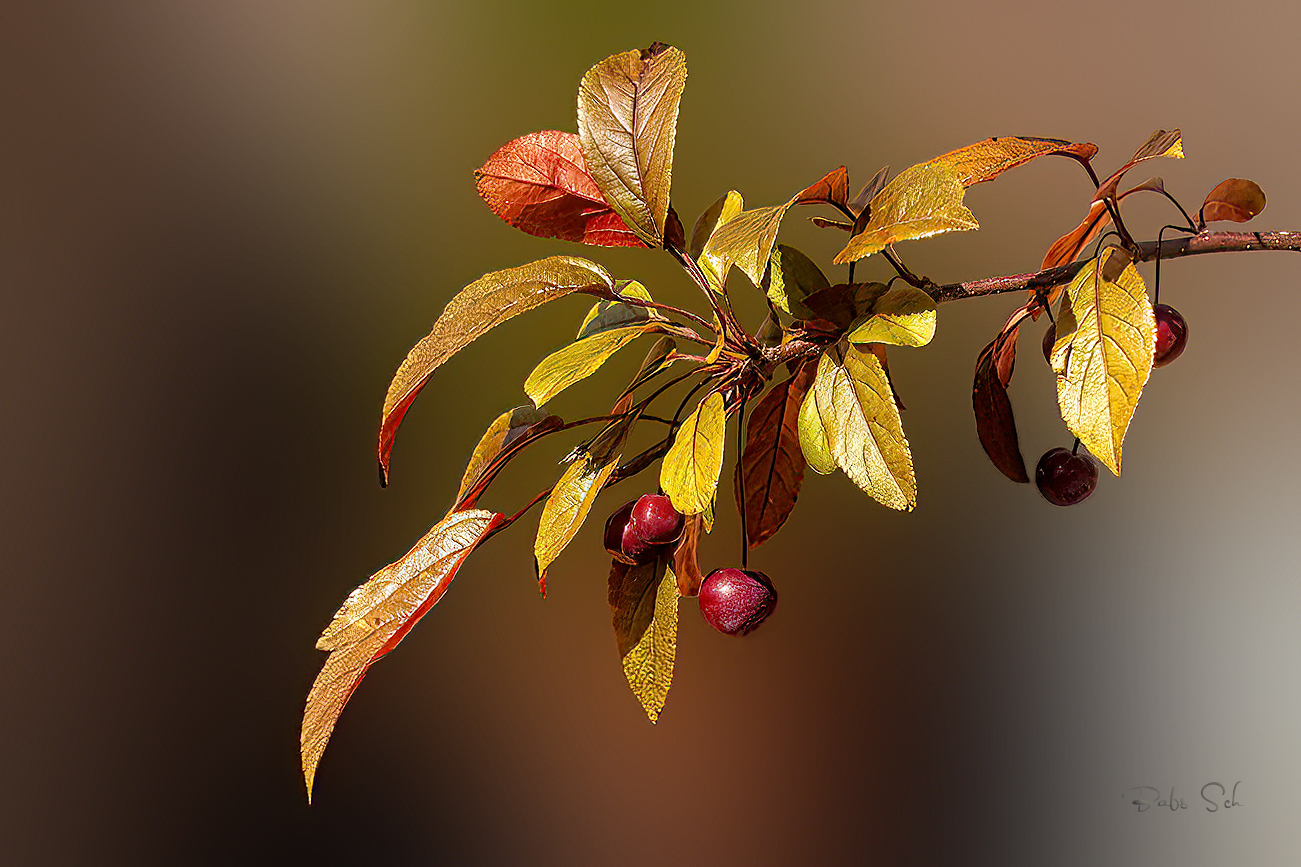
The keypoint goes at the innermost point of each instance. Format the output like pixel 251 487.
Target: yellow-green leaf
pixel 791 278
pixel 714 266
pixel 377 615
pixel 923 200
pixel 864 432
pixel 813 437
pixel 627 122
pixel 746 241
pixel 1104 360
pixel 578 360
pixel 903 316
pixel 644 600
pixel 605 315
pixel 500 434
pixel 476 309
pixel 689 473
pixel 570 501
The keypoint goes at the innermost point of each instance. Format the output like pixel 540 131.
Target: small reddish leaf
pixel 1162 143
pixel 1236 200
pixel 824 223
pixel 1068 247
pixel 539 184
pixel 995 423
pixel 772 463
pixel 831 190
pixel 686 565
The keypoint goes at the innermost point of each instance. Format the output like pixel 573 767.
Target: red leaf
pixel 772 464
pixel 1236 200
pixel 539 183
pixel 995 423
pixel 831 190
pixel 686 565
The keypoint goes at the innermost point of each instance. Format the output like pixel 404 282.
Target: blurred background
pixel 224 224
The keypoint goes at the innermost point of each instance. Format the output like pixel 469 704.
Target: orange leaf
pixel 1236 200
pixel 1068 247
pixel 772 464
pixel 986 160
pixel 377 616
pixel 831 190
pixel 686 565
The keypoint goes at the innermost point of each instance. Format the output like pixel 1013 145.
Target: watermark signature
pixel 1216 795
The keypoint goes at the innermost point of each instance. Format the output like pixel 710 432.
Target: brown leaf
pixel 868 193
pixel 476 309
pixel 1236 200
pixel 771 468
pixel 995 423
pixel 377 616
pixel 627 123
pixel 1162 143
pixel 686 565
pixel 539 183
pixel 831 190
pixel 824 223
pixel 843 303
pixel 986 160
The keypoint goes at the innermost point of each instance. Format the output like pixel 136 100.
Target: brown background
pixel 225 223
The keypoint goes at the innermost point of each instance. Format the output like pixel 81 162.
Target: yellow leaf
pixel 791 278
pixel 476 309
pixel 903 316
pixel 1103 353
pixel 644 600
pixel 864 432
pixel 714 266
pixel 689 473
pixel 500 434
pixel 986 160
pixel 922 201
pixel 813 437
pixel 570 501
pixel 746 241
pixel 577 361
pixel 627 122
pixel 377 615
pixel 605 315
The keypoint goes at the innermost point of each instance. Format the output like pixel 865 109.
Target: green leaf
pixel 477 309
pixel 921 201
pixel 644 602
pixel 568 506
pixel 791 278
pixel 689 473
pixel 1103 353
pixel 746 241
pixel 864 432
pixel 577 361
pixel 813 438
pixel 627 122
pixel 714 266
pixel 605 315
pixel 509 426
pixel 903 316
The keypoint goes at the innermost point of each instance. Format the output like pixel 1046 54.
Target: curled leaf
pixel 605 315
pixel 689 472
pixel 1236 200
pixel 508 427
pixel 995 424
pixel 903 316
pixel 986 160
pixel 644 602
pixel 476 309
pixel 539 184
pixel 771 468
pixel 1162 143
pixel 921 201
pixel 377 616
pixel 627 122
pixel 869 191
pixel 714 265
pixel 578 360
pixel 1103 354
pixel 831 190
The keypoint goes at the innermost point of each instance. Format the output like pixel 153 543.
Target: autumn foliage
pixel 808 387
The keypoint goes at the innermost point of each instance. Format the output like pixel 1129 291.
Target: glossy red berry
pixel 1050 337
pixel 736 601
pixel 655 521
pixel 1171 335
pixel 616 527
pixel 1064 478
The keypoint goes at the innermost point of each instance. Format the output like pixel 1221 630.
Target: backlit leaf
pixel 605 315
pixel 986 160
pixel 539 183
pixel 476 309
pixel 772 465
pixel 791 278
pixel 831 190
pixel 995 423
pixel 922 201
pixel 644 602
pixel 377 616
pixel 714 265
pixel 813 437
pixel 1236 200
pixel 509 426
pixel 689 472
pixel 864 431
pixel 1103 353
pixel 577 361
pixel 565 510
pixel 746 241
pixel 903 316
pixel 627 122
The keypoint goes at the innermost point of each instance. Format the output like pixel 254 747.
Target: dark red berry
pixel 1171 335
pixel 655 521
pixel 616 527
pixel 735 601
pixel 1050 337
pixel 1064 478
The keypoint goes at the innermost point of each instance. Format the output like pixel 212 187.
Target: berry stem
pixel 740 482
